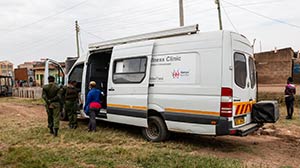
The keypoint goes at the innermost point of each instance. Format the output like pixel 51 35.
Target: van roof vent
pixel 148 36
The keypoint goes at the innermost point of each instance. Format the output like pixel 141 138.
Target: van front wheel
pixel 157 130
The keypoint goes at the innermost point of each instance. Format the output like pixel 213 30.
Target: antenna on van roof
pixel 148 36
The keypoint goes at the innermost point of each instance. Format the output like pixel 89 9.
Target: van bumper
pixel 245 130
pixel 224 127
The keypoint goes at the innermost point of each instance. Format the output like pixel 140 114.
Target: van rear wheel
pixel 157 130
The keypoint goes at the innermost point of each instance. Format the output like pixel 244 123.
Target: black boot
pixel 51 130
pixel 55 132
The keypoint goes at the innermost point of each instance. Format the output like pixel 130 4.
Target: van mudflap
pixel 247 129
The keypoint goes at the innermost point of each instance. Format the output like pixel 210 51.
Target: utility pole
pixel 219 11
pixel 181 17
pixel 260 46
pixel 77 38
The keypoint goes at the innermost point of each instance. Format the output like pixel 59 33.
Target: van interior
pixel 97 70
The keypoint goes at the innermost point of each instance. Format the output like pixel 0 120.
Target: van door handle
pixel 151 85
pixel 111 89
pixel 236 100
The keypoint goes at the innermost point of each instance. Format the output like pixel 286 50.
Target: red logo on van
pixel 176 74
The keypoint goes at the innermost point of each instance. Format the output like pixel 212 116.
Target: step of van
pixel 102 113
pixel 247 129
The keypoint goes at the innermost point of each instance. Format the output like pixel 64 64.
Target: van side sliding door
pixel 128 83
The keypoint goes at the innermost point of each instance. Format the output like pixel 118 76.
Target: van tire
pixel 156 131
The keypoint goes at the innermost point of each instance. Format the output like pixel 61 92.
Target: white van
pixel 179 80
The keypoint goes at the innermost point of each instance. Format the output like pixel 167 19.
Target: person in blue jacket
pixel 92 105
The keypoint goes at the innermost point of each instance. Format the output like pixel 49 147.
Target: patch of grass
pixel 24 156
pixel 282 108
pixel 113 156
pixel 279 97
pixel 286 123
pixel 111 146
pixel 22 100
pixel 35 147
pixel 177 159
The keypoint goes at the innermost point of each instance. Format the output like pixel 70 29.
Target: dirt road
pixel 280 148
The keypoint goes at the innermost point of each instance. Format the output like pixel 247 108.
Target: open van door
pixel 244 80
pixel 55 69
pixel 128 83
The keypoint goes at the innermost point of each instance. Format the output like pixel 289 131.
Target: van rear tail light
pixel 226 92
pixel 226 102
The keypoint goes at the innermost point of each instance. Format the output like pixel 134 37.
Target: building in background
pixel 39 71
pixel 6 68
pixel 32 73
pixel 296 68
pixel 274 67
pixel 24 74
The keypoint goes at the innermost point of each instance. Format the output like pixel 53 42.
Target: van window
pixel 76 73
pixel 252 72
pixel 130 70
pixel 240 70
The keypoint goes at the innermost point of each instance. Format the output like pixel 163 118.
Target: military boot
pixel 51 130
pixel 55 132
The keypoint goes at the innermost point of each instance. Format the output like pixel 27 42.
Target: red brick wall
pixel 274 68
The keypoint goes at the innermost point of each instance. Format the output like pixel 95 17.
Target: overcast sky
pixel 35 29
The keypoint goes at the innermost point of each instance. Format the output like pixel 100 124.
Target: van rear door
pixel 244 80
pixel 128 83
pixel 55 69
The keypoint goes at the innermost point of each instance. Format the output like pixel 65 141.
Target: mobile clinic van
pixel 177 80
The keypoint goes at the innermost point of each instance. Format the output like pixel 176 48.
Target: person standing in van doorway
pixel 71 100
pixel 92 105
pixel 289 92
pixel 52 97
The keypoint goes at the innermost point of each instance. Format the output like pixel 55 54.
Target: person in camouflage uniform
pixel 52 97
pixel 70 102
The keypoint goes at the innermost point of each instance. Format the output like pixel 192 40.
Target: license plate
pixel 239 121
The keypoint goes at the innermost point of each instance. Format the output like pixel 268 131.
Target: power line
pixel 162 6
pixel 50 16
pixel 267 17
pixel 133 20
pixel 27 43
pixel 259 3
pixel 49 42
pixel 226 14
pixel 91 34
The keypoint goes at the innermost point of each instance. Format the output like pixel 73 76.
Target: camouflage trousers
pixel 71 111
pixel 53 111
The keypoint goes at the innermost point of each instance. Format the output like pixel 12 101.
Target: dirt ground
pixel 280 147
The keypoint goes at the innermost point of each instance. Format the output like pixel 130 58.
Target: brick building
pixel 6 68
pixel 274 67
